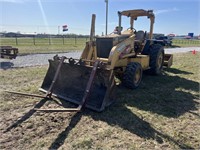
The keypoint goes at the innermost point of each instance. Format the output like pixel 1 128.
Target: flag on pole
pixel 65 28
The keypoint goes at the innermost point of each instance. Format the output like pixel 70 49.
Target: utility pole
pixel 58 30
pixel 106 16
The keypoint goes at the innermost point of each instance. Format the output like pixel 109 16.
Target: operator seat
pixel 140 35
pixel 139 41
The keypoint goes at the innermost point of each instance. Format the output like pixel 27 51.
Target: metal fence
pixel 186 42
pixel 43 41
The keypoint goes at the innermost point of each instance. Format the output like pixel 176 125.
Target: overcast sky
pixel 48 16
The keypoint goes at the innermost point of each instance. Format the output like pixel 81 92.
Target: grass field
pixel 185 42
pixel 45 45
pixel 163 113
pixel 52 45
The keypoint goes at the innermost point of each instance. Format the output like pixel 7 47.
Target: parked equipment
pixel 164 40
pixel 8 52
pixel 90 80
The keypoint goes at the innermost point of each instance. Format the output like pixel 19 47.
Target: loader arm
pixel 89 52
pixel 120 50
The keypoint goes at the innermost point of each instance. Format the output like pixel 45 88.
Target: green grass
pixel 163 113
pixel 44 45
pixel 185 43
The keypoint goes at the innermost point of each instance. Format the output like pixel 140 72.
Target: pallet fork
pixel 49 93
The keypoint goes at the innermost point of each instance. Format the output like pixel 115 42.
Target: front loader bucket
pixel 71 84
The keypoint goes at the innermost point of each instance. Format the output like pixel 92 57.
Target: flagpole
pixel 106 16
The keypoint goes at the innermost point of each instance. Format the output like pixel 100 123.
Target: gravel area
pixel 42 59
pixel 33 60
pixel 181 50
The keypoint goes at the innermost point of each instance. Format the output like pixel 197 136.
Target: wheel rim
pixel 160 60
pixel 137 76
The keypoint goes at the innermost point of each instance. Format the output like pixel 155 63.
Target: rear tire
pixel 156 53
pixel 132 75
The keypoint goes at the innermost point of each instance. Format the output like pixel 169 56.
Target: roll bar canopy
pixel 133 14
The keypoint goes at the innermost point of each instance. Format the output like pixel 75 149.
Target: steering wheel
pixel 134 30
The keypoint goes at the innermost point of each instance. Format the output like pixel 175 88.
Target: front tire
pixel 132 75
